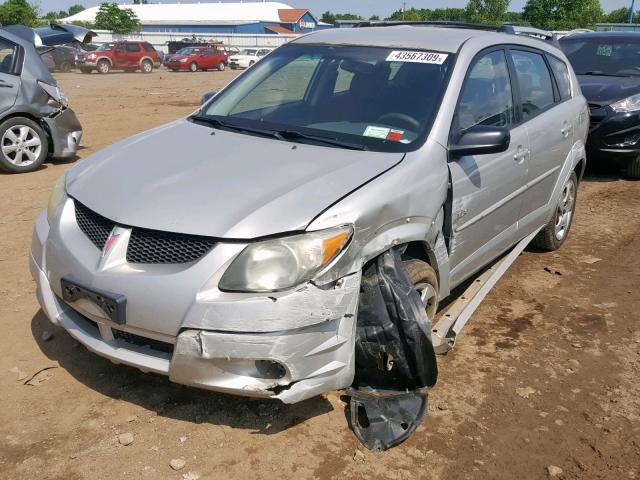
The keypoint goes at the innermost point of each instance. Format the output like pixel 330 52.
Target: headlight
pixel 284 263
pixel 184 59
pixel 629 104
pixel 55 93
pixel 58 195
pixel 92 56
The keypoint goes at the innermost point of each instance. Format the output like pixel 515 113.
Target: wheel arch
pixel 145 58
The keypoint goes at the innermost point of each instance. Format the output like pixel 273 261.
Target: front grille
pixel 142 341
pixel 153 246
pixel 94 226
pixel 145 246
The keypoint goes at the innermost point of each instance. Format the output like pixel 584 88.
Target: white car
pixel 248 57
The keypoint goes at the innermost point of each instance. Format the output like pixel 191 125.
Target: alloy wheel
pixel 564 211
pixel 429 298
pixel 21 145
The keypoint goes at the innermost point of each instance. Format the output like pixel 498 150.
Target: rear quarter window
pixel 561 74
pixel 148 47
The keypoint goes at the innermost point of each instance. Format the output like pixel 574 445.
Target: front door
pixel 486 189
pixel 9 74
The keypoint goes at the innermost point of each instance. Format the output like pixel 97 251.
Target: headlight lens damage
pixel 55 93
pixel 58 195
pixel 629 104
pixel 284 263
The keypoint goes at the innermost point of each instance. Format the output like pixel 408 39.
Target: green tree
pixel 486 11
pixel 140 2
pixel 620 15
pixel 437 15
pixel 73 9
pixel 18 12
pixel 116 19
pixel 329 17
pixel 562 14
pixel 374 18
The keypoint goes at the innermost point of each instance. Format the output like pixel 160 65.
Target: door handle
pixel 5 85
pixel 566 129
pixel 521 154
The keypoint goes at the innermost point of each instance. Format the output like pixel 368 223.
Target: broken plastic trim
pixel 395 360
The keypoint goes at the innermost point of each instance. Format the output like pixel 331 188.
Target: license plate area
pixel 113 305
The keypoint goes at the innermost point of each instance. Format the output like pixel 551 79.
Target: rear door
pixel 133 54
pixel 9 74
pixel 486 189
pixel 549 126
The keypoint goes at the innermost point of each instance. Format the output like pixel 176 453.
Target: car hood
pixel 176 58
pixel 187 178
pixel 604 90
pixel 241 57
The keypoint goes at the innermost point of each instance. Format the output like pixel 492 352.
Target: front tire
pixel 23 145
pixel 104 67
pixel 146 66
pixel 85 70
pixel 425 280
pixel 221 67
pixel 193 67
pixel 633 169
pixel 554 233
pixel 65 66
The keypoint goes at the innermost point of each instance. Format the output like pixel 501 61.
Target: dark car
pixel 64 57
pixel 608 68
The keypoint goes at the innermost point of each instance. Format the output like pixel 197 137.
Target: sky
pixel 365 8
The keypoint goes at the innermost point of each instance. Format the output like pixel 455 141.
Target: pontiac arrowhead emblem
pixel 109 243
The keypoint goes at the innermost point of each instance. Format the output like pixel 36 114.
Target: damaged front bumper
pixel 65 132
pixel 294 346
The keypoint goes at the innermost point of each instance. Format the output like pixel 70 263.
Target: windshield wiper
pixel 295 135
pixel 216 123
pixel 279 134
pixel 597 73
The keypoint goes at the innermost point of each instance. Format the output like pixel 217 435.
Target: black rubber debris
pixel 395 360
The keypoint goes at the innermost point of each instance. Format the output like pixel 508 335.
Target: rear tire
pixel 425 280
pixel 554 233
pixel 104 67
pixel 633 169
pixel 146 66
pixel 193 67
pixel 65 66
pixel 23 145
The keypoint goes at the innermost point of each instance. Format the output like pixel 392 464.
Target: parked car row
pixel 137 55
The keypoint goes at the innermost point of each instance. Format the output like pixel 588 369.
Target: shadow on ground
pixel 156 393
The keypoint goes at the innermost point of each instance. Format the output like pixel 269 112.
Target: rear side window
pixel 132 47
pixel 534 79
pixel 561 73
pixel 486 97
pixel 8 53
pixel 148 47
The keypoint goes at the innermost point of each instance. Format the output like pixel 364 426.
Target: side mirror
pixel 208 96
pixel 481 139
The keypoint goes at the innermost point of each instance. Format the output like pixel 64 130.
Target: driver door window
pixel 486 97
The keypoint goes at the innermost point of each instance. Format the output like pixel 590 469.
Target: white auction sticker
pixel 417 57
pixel 377 132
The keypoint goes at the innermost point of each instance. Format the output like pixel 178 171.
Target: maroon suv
pixel 128 56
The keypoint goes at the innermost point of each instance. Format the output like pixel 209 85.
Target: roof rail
pixel 504 28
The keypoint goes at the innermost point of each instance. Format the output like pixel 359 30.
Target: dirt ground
pixel 546 374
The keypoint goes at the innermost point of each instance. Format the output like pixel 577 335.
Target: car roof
pixel 419 37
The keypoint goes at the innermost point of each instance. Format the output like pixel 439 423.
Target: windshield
pixel 616 56
pixel 105 46
pixel 376 98
pixel 187 51
pixel 248 52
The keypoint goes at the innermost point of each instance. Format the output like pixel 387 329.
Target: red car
pixel 128 56
pixel 198 58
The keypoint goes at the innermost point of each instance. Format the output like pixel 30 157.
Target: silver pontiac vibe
pixel 225 249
